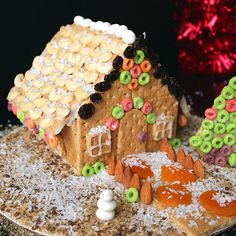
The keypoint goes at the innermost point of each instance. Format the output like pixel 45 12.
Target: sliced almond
pixel 14 92
pixel 104 67
pixel 18 80
pixel 39 102
pixel 90 77
pixel 105 56
pixel 62 111
pixel 54 95
pixel 66 99
pixel 71 85
pixel 47 89
pixel 35 114
pixel 46 123
pixel 29 75
pixel 19 99
pixel 37 62
pixel 80 94
pixel 47 70
pixel 26 106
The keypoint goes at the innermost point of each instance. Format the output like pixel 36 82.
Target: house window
pixel 163 128
pixel 98 141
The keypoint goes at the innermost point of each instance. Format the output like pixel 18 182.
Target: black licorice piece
pixel 102 86
pixel 129 52
pixel 113 76
pixel 117 62
pixel 86 111
pixel 96 98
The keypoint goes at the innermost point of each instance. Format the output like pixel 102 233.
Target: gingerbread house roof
pixel 62 78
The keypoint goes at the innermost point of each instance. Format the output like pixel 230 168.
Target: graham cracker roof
pixel 63 76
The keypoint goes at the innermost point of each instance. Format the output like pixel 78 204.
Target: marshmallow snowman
pixel 106 205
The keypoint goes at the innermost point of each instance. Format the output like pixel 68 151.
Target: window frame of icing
pixel 98 142
pixel 168 124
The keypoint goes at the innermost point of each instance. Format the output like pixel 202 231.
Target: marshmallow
pixel 78 20
pixel 120 30
pixel 104 215
pixel 86 22
pixel 106 205
pixel 128 36
pixel 107 195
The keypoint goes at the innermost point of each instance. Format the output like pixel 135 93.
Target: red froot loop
pixel 231 105
pixel 211 113
pixel 112 123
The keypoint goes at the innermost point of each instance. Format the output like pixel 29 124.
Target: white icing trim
pixel 120 31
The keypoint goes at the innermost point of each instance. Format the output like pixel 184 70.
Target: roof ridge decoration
pixel 120 31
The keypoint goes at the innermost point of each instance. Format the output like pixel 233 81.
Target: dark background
pixel 28 25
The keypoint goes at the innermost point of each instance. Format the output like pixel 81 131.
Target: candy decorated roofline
pixel 120 31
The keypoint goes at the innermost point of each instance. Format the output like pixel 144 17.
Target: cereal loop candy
pixel 232 159
pixel 133 84
pixel 173 195
pixel 227 93
pixel 112 124
pixel 136 71
pixel 144 79
pixel 139 57
pixel 53 141
pixel 129 52
pixel 219 128
pixel 87 170
pixel 132 195
pixel 207 124
pixel 229 139
pixel 219 103
pixel 127 104
pixel 207 135
pixel 175 142
pixel 151 118
pixel 217 142
pixel 209 159
pixel 205 147
pixel 221 161
pixel 231 128
pixel 208 201
pixel 138 102
pixel 223 116
pixel 147 108
pixel 117 62
pixel 231 105
pixel 118 112
pixel 125 77
pixel 211 113
pixel 98 167
pixel 128 64
pixel 195 141
pixel 232 83
pixel 146 66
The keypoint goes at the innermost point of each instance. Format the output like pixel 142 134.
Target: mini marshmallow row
pixel 121 31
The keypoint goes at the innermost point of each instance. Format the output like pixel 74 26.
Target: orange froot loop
pixel 53 141
pixel 173 195
pixel 170 174
pixel 133 84
pixel 143 173
pixel 145 66
pixel 218 203
pixel 128 64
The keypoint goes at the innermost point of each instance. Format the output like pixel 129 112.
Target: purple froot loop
pixel 225 151
pixel 36 129
pixel 214 152
pixel 209 159
pixel 221 161
pixel 142 136
pixel 9 106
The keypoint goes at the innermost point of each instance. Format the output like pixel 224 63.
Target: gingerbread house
pixel 97 89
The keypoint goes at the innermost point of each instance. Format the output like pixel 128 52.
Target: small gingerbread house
pixel 97 89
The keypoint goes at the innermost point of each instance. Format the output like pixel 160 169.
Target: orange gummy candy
pixel 143 173
pixel 227 209
pixel 173 195
pixel 171 174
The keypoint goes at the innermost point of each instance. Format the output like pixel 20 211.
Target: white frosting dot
pixel 128 36
pixel 86 22
pixel 78 20
pixel 120 30
pixel 105 26
pixel 107 195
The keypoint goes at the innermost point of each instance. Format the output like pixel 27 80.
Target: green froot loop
pixel 219 103
pixel 228 93
pixel 125 77
pixel 175 142
pixel 229 139
pixel 118 112
pixel 207 135
pixel 205 147
pixel 195 141
pixel 98 167
pixel 217 142
pixel 144 79
pixel 207 124
pixel 232 83
pixel 132 195
pixel 219 128
pixel 139 57
pixel 231 129
pixel 223 116
pixel 87 170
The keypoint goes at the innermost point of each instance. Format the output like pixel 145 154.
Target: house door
pixel 132 134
